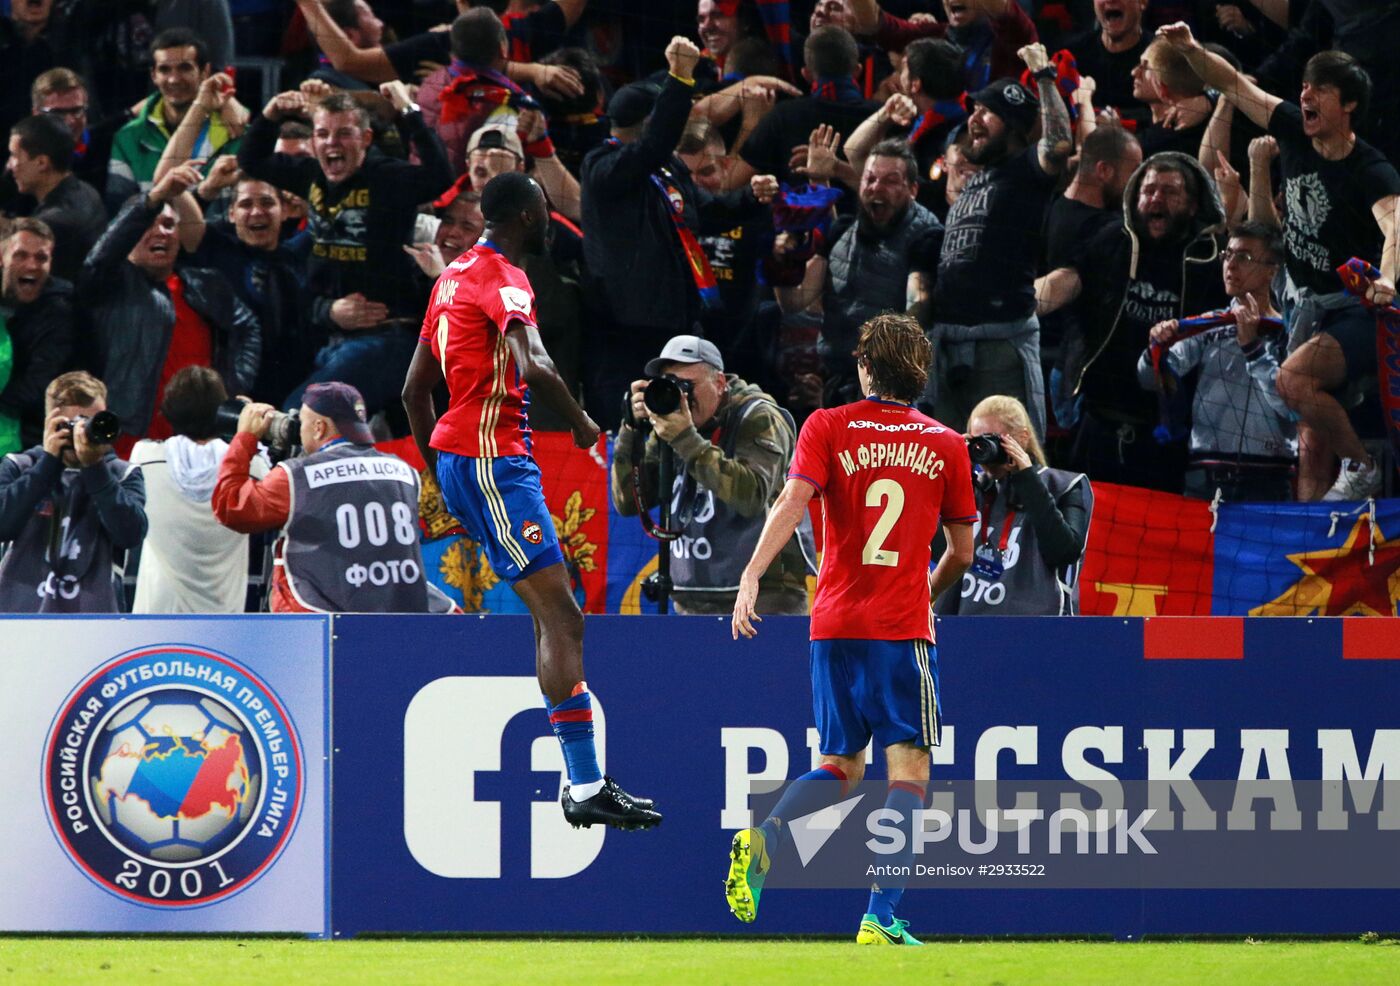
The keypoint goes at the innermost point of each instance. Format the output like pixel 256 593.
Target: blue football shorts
pixel 882 688
pixel 501 504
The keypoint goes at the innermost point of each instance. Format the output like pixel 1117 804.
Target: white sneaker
pixel 1356 481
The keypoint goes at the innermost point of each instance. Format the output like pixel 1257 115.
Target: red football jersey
pixel 888 476
pixel 475 300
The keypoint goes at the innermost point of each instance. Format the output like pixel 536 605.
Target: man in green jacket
pixel 179 63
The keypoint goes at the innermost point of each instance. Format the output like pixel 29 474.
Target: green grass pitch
pixel 762 963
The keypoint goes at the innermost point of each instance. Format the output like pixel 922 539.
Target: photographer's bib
pixel 1008 576
pixel 351 540
pixel 717 541
pixel 62 562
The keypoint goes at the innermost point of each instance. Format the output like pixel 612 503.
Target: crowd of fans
pixel 1127 214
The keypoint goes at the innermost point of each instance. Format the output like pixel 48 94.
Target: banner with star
pixel 1307 559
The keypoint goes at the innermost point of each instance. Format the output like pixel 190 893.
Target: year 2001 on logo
pixel 173 776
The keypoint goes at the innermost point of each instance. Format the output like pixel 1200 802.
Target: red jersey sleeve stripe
pixel 806 479
pixel 961 520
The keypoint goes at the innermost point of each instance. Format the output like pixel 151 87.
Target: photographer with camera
pixel 733 444
pixel 68 507
pixel 1033 521
pixel 190 563
pixel 348 512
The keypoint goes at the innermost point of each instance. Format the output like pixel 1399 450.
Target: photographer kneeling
pixel 349 512
pixel 68 506
pixel 1033 521
pixel 733 444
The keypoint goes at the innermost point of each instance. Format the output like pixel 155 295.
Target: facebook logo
pixel 482 778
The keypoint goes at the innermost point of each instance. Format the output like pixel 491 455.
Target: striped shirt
pixel 477 299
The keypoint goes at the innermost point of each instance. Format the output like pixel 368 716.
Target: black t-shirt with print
pixel 1327 204
pixel 1115 336
pixel 986 272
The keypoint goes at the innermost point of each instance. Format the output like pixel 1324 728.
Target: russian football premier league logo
pixel 173 776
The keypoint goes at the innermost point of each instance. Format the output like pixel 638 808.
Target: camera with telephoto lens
pixel 986 450
pixel 664 394
pixel 101 429
pixel 283 435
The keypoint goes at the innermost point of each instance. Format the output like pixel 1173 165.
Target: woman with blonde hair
pixel 1033 521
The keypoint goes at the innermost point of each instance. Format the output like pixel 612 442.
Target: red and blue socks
pixel 811 792
pixel 572 721
pixel 906 798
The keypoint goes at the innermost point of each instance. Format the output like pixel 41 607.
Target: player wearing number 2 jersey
pixel 480 336
pixel 888 477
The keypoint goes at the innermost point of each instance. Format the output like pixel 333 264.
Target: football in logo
pixel 532 532
pixel 173 776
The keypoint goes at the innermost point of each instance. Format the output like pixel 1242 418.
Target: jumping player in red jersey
pixel 480 336
pixel 888 476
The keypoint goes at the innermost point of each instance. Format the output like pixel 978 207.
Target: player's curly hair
pixel 896 355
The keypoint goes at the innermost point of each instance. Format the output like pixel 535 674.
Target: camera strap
pixel 653 530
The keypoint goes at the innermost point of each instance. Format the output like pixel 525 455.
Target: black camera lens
pixel 664 394
pixel 986 450
pixel 101 428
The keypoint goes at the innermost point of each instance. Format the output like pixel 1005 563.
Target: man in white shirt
pixel 190 563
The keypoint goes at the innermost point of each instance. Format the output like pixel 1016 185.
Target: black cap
pixel 1013 102
pixel 632 104
pixel 343 404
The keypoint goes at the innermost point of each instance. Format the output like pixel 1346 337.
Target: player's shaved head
pixel 515 202
pixel 896 355
pixel 507 195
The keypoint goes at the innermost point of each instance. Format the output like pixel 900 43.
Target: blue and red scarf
pixel 699 265
pixel 1066 79
pixel 945 112
pixel 473 94
pixel 1172 426
pixel 837 91
pixel 1357 276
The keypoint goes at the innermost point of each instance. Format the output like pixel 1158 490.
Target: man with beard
pixel 179 64
pixel 928 104
pixel 1342 201
pixel 985 334
pixel 38 313
pixel 864 266
pixel 1109 51
pixel 990 32
pixel 1161 263
pixel 363 206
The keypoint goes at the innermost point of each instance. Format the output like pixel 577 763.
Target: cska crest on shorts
pixel 532 532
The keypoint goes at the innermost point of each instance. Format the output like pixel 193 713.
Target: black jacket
pixel 43 337
pixel 75 213
pixel 360 226
pixel 1101 358
pixel 640 276
pixel 132 320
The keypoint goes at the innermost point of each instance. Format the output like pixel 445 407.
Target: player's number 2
pixel 886 493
